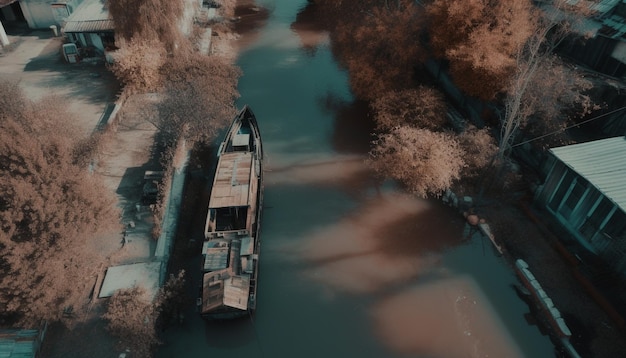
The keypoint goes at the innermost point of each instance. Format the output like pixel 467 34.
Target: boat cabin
pixel 230 249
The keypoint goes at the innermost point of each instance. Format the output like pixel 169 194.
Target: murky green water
pixel 350 267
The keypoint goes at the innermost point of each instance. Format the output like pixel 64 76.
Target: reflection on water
pixel 250 18
pixel 391 248
pixel 220 333
pixel 353 126
pixel 309 30
pixel 390 240
pixel 349 267
pixel 446 318
pixel 347 172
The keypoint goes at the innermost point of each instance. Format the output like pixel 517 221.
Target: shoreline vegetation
pixel 195 86
pixel 200 83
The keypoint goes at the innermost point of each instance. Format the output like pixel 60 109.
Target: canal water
pixel 350 266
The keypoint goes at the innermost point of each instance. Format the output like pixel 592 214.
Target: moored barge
pixel 231 234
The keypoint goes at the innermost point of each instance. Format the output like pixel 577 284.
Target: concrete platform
pixel 144 274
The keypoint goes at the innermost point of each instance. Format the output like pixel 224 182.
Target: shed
pixel 21 343
pixel 585 189
pixel 91 27
pixel 604 45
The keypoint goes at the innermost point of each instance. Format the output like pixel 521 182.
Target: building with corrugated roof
pixel 585 189
pixel 91 27
pixel 600 42
pixel 21 343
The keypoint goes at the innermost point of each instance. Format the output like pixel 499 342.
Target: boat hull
pixel 232 243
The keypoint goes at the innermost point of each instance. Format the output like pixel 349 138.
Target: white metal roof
pixel 602 163
pixel 90 16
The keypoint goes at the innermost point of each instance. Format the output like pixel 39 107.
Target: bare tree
pixel 172 298
pixel 425 162
pixel 541 86
pixel 133 314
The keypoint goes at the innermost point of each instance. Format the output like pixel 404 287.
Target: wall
pixel 39 14
pixel 597 223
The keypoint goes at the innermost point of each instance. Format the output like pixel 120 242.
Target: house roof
pixel 90 16
pixel 604 6
pixel 602 163
pixel 605 21
pixel 89 26
pixel 613 24
pixel 18 343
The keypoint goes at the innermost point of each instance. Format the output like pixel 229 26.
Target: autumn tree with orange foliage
pixel 131 317
pixel 197 91
pixel 403 116
pixel 421 107
pixel 479 149
pixel 137 65
pixel 542 88
pixel 155 21
pixel 378 43
pixel 49 206
pixel 132 314
pixel 426 163
pixel 199 95
pixel 481 40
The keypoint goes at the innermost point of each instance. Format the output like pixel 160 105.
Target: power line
pixel 572 126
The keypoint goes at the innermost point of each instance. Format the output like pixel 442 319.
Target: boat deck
pixel 232 181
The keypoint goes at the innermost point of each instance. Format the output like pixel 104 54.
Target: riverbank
pixel 130 150
pixel 528 233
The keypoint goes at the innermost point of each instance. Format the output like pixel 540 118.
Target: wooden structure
pixel 22 343
pixel 231 247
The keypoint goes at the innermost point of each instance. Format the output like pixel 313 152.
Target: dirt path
pixel 36 63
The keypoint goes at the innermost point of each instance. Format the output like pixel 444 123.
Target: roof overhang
pixel 88 26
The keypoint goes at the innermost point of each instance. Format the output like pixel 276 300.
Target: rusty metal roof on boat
pixel 215 254
pixel 232 180
pixel 220 288
pixel 236 291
